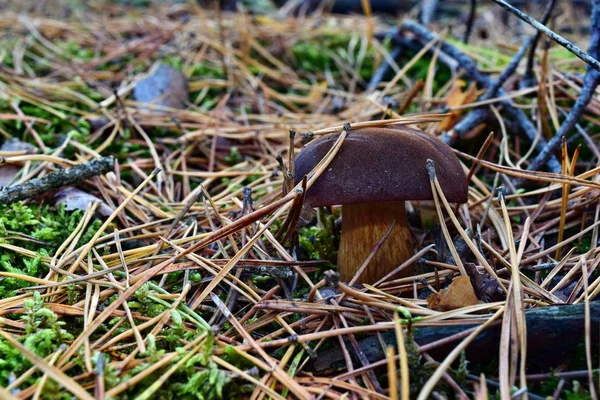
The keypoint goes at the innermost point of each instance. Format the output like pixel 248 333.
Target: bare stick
pixel 587 58
pixel 590 82
pixel 529 79
pixel 469 66
pixel 64 177
pixel 473 119
pixel 470 21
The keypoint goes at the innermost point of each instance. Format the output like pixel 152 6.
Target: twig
pixel 383 69
pixel 473 73
pixel 470 21
pixel 474 118
pixel 65 177
pixel 590 82
pixel 508 71
pixel 528 80
pixel 428 8
pixel 590 59
pixel 413 92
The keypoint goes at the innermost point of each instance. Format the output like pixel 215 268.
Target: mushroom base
pixel 363 226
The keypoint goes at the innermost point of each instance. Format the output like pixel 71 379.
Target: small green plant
pixel 43 332
pixel 320 242
pixel 48 225
pixel 11 362
pixel 234 156
pixel 144 303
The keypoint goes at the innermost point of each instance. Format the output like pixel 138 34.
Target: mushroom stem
pixel 363 226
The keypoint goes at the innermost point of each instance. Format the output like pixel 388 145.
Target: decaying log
pixel 553 334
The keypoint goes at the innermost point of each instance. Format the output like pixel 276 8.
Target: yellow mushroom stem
pixel 363 226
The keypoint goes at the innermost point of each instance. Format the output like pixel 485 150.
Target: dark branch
pixel 528 80
pixel 590 82
pixel 473 73
pixel 553 334
pixel 383 69
pixel 64 177
pixel 470 21
pixel 587 58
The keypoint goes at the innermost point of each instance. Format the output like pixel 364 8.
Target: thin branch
pixel 528 79
pixel 587 58
pixel 64 177
pixel 470 21
pixel 469 66
pixel 590 82
pixel 383 69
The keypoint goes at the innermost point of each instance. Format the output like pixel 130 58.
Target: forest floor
pixel 153 243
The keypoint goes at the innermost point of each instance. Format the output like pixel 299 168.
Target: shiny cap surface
pixel 381 164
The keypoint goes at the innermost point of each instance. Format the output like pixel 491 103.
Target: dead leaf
pixel 8 174
pixel 459 294
pixel 75 199
pixel 315 96
pixel 487 289
pixel 457 97
pixel 165 87
pixel 16 145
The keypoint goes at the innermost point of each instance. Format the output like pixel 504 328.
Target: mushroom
pixel 375 171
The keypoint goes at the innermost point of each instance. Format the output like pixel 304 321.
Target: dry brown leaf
pixel 457 97
pixel 14 144
pixel 459 294
pixel 316 93
pixel 9 172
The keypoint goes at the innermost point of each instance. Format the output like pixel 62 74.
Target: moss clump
pixel 44 334
pixel 198 378
pixel 318 55
pixel 40 229
pixel 321 241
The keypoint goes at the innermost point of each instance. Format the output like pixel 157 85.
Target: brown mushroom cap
pixel 381 164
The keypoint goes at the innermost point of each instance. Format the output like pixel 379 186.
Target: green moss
pixel 44 334
pixel 43 331
pixel 578 392
pixel 421 69
pixel 234 156
pixel 198 378
pixel 315 56
pixel 320 242
pixel 11 362
pixel 53 132
pixel 207 71
pixel 74 50
pixel 49 226
pixel 144 304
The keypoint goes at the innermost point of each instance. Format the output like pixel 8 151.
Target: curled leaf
pixel 459 294
pixel 457 97
pixel 165 87
pixel 76 199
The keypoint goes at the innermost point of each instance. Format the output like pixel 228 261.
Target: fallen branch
pixel 589 59
pixel 469 66
pixel 554 332
pixel 472 120
pixel 590 82
pixel 64 177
